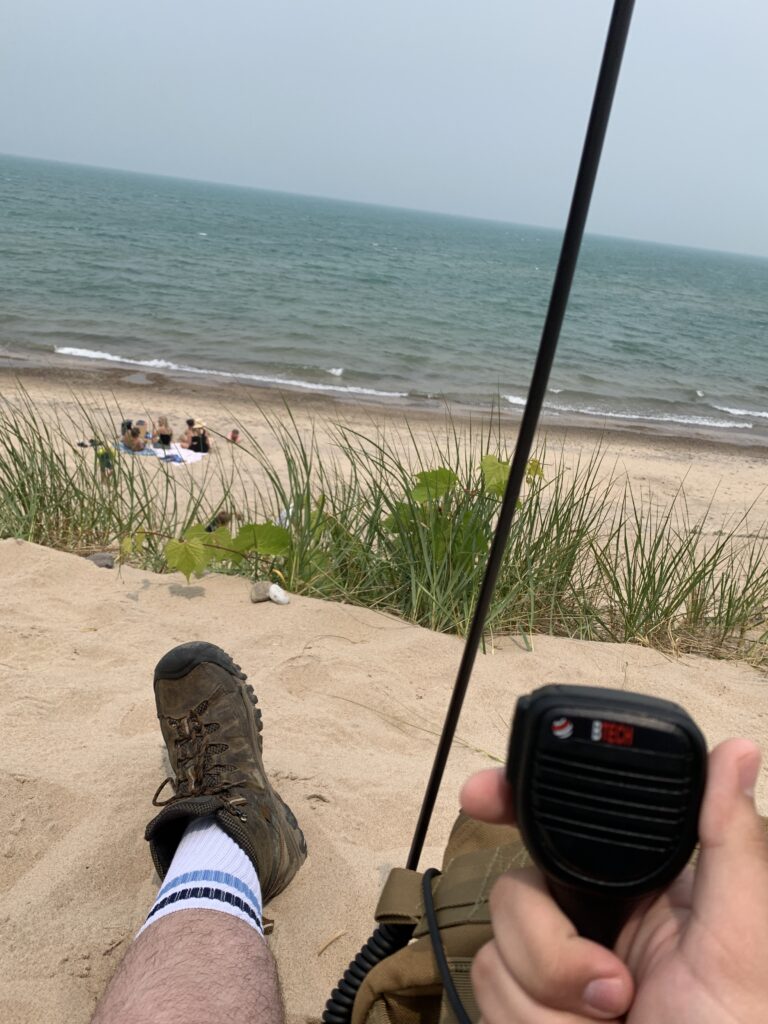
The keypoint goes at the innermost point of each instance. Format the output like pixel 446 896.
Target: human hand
pixel 694 954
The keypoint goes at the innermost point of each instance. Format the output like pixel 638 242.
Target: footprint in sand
pixel 303 673
pixel 34 814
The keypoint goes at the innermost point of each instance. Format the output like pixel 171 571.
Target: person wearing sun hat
pixel 199 442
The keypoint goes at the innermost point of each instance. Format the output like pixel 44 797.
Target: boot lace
pixel 198 772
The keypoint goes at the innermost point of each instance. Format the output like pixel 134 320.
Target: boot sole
pixel 182 659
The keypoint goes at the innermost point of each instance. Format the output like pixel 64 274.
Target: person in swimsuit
pixel 163 433
pixel 186 437
pixel 199 442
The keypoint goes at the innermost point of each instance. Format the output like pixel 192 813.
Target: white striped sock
pixel 209 871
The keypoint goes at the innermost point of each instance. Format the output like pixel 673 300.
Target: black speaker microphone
pixel 607 789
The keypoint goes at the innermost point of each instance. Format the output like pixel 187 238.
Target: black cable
pixel 437 946
pixel 386 939
pixel 582 193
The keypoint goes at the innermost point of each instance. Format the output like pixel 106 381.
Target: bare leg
pixel 194 967
pixel 224 827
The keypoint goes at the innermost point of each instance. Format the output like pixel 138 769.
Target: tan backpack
pixel 406 987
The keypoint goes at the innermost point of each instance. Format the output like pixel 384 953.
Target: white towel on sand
pixel 184 453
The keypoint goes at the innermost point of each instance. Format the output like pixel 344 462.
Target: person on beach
pixel 105 459
pixel 186 437
pixel 134 439
pixel 199 441
pixel 234 436
pixel 145 430
pixel 224 844
pixel 163 435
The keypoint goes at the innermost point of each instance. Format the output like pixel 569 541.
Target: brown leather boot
pixel 212 729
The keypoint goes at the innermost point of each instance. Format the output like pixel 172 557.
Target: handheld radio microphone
pixel 607 789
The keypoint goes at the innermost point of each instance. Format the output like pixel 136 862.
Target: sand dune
pixel 352 700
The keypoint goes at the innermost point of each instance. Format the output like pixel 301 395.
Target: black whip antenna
pixel 569 252
pixel 387 938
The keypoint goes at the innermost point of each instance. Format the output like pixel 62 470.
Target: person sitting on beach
pixel 199 442
pixel 145 430
pixel 163 434
pixel 234 436
pixel 134 440
pixel 186 437
pixel 224 843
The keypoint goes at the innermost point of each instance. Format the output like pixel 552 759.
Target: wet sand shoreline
pixel 722 480
pixel 71 373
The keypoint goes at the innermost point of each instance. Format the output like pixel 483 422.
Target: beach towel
pixel 121 447
pixel 174 454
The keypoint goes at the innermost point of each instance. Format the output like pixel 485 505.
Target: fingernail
pixel 606 995
pixel 748 769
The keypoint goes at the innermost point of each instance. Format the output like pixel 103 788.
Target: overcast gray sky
pixel 475 107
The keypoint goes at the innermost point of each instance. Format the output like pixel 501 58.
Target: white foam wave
pixel 89 353
pixel 555 391
pixel 743 412
pixel 699 394
pixel 336 371
pixel 164 364
pixel 586 410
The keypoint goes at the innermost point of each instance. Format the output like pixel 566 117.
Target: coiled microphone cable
pixel 388 938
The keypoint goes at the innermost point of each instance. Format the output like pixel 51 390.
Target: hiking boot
pixel 212 729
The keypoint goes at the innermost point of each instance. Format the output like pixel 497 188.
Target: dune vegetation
pixel 375 519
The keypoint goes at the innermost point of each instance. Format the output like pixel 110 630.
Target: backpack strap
pixel 461 892
pixel 400 900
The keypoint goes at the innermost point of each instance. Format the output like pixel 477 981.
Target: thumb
pixel 732 872
pixel 487 796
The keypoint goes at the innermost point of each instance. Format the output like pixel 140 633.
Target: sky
pixel 475 108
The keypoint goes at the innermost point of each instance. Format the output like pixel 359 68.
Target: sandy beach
pixel 714 470
pixel 362 239
pixel 352 699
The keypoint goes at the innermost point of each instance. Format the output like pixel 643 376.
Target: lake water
pixel 356 300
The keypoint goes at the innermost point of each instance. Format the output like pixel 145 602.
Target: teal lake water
pixel 355 300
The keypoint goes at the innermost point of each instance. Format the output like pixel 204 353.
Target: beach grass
pixel 52 492
pixel 378 519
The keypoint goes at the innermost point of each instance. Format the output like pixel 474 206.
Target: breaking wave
pixel 165 364
pixel 681 418
pixel 743 412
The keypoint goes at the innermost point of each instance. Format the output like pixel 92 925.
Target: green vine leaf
pixel 534 471
pixel 432 484
pixel 198 530
pixel 266 538
pixel 495 474
pixel 186 556
pixel 220 545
